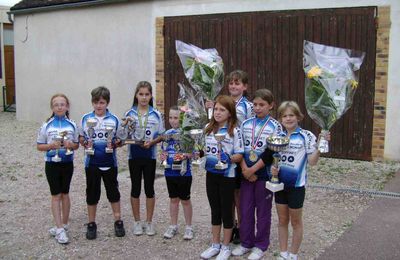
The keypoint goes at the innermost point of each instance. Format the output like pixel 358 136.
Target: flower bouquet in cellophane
pixel 203 69
pixel 330 83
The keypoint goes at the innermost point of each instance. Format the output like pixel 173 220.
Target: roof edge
pixel 62 6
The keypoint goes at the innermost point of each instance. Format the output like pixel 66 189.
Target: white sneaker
pixel 62 237
pixel 171 232
pixel 53 230
pixel 240 250
pixel 137 228
pixel 224 253
pixel 149 228
pixel 256 253
pixel 188 233
pixel 210 252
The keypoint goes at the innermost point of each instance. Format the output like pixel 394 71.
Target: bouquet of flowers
pixel 192 115
pixel 330 83
pixel 204 69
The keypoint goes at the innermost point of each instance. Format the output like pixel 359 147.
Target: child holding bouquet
pixel 59 164
pixel 255 199
pixel 237 85
pixel 220 182
pixel 179 182
pixel 142 157
pixel 301 150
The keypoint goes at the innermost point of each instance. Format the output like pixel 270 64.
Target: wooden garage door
pixel 269 46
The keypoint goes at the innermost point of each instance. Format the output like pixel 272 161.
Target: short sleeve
pixel 42 136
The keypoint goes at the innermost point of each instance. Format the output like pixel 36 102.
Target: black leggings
pixel 220 191
pixel 147 168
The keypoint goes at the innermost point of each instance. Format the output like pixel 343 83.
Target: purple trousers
pixel 255 204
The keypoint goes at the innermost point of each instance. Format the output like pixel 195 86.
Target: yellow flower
pixel 354 84
pixel 314 72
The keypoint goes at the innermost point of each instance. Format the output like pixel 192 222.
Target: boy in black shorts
pixel 99 134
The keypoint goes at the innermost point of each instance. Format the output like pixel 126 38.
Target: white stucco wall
pixel 75 50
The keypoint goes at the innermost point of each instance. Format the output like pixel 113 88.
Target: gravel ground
pixel 25 213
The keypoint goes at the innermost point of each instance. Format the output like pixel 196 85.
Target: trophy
pixel 276 144
pixel 91 124
pixel 167 138
pixel 128 123
pixel 65 138
pixel 109 131
pixel 57 138
pixel 178 156
pixel 220 165
pixel 196 135
pixel 139 135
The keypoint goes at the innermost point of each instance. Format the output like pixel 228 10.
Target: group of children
pixel 241 183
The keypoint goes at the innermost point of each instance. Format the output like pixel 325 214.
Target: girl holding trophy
pixel 148 127
pixel 179 181
pixel 224 148
pixel 58 136
pixel 302 149
pixel 255 199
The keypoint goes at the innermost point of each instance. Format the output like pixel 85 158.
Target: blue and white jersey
pixel 52 128
pixel 99 139
pixel 170 147
pixel 231 145
pixel 244 110
pixel 255 132
pixel 154 128
pixel 293 164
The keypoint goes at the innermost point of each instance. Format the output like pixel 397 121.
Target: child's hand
pixel 118 143
pixel 163 156
pixel 209 104
pixel 274 170
pixel 225 158
pixel 326 135
pixel 55 145
pixel 252 178
pixel 88 144
pixel 147 144
pixel 68 144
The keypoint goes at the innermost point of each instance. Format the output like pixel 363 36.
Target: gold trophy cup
pixel 276 144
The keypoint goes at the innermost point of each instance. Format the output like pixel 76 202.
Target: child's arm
pixel 314 157
pixel 50 146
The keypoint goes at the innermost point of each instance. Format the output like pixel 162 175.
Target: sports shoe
pixel 256 253
pixel 149 228
pixel 211 251
pixel 283 256
pixel 53 230
pixel 224 253
pixel 91 232
pixel 137 228
pixel 171 232
pixel 188 233
pixel 119 228
pixel 62 237
pixel 240 250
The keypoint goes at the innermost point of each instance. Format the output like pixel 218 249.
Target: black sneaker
pixel 91 232
pixel 236 236
pixel 119 228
